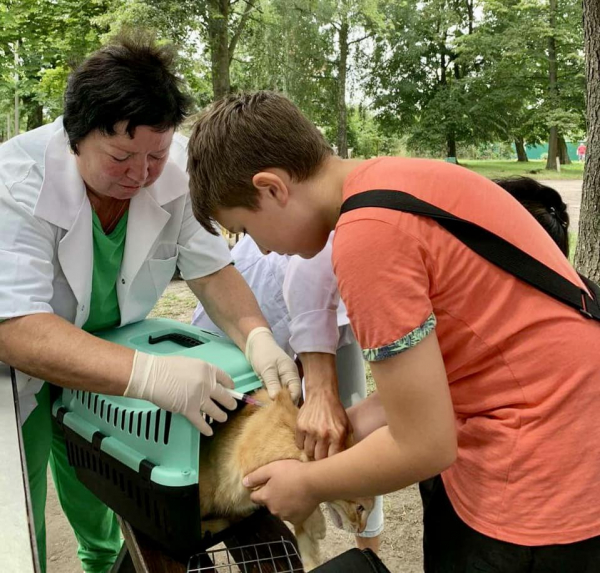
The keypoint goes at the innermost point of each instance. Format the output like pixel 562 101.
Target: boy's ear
pixel 272 184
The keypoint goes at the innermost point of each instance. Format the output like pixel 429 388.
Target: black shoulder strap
pixel 486 244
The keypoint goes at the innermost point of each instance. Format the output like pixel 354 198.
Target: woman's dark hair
pixel 131 79
pixel 545 204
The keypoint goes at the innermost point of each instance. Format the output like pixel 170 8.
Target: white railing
pixel 16 548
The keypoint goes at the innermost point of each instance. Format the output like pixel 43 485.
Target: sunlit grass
pixel 533 169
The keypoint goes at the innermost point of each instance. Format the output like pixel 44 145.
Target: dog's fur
pixel 253 437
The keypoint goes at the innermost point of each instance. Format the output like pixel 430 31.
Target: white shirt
pixel 314 319
pixel 264 275
pixel 317 313
pixel 46 250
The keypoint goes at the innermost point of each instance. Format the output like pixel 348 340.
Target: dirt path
pixel 570 191
pixel 401 541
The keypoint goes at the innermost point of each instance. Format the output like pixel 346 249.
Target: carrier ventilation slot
pixel 90 460
pixel 156 425
pixel 168 417
pixel 135 423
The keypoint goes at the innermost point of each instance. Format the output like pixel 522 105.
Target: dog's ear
pixel 284 396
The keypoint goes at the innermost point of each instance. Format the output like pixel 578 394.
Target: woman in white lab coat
pixel 95 217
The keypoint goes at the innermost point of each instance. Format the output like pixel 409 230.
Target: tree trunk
pixel 8 122
pixel 218 18
pixel 451 146
pixel 17 122
pixel 587 255
pixel 552 149
pixel 521 153
pixel 563 151
pixel 342 136
pixel 552 88
pixel 470 14
pixel 35 113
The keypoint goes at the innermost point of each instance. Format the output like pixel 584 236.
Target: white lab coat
pixel 46 245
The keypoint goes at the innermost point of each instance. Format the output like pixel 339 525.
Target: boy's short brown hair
pixel 240 136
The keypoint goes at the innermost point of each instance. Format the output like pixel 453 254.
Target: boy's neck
pixel 331 179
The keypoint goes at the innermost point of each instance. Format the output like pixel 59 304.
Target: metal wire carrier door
pixel 273 556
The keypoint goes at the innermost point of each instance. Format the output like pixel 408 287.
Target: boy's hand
pixel 273 484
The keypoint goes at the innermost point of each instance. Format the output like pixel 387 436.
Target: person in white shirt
pixel 96 214
pixel 300 300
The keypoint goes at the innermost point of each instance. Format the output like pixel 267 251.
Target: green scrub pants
pixel 95 525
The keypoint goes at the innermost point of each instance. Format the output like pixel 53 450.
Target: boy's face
pixel 283 223
pixel 274 234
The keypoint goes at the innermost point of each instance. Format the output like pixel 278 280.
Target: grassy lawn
pixel 533 169
pixel 178 303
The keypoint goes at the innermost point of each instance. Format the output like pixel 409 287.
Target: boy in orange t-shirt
pixel 479 375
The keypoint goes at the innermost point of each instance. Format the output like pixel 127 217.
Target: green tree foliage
pixel 435 73
pixel 39 39
pixel 418 79
pixel 448 72
pixel 529 70
pixel 308 49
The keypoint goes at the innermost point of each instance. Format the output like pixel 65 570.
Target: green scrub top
pixel 108 255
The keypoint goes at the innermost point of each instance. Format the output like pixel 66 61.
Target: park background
pixel 479 79
pixel 504 87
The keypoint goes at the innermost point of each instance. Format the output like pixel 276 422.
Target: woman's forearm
pixel 319 372
pixel 48 347
pixel 230 303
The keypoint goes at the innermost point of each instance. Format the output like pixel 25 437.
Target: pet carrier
pixel 138 459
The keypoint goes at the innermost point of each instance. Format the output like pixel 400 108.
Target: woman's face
pixel 118 166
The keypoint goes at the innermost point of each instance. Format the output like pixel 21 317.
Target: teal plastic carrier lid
pixel 137 430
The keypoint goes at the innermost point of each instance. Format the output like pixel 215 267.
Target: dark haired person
pixel 96 214
pixel 544 203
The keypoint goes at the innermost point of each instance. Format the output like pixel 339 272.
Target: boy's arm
pixel 366 416
pixel 418 442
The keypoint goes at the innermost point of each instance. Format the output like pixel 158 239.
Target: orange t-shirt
pixel 523 368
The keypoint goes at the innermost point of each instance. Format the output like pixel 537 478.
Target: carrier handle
pixel 177 337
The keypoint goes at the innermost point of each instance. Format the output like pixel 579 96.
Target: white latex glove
pixel 270 362
pixel 183 385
